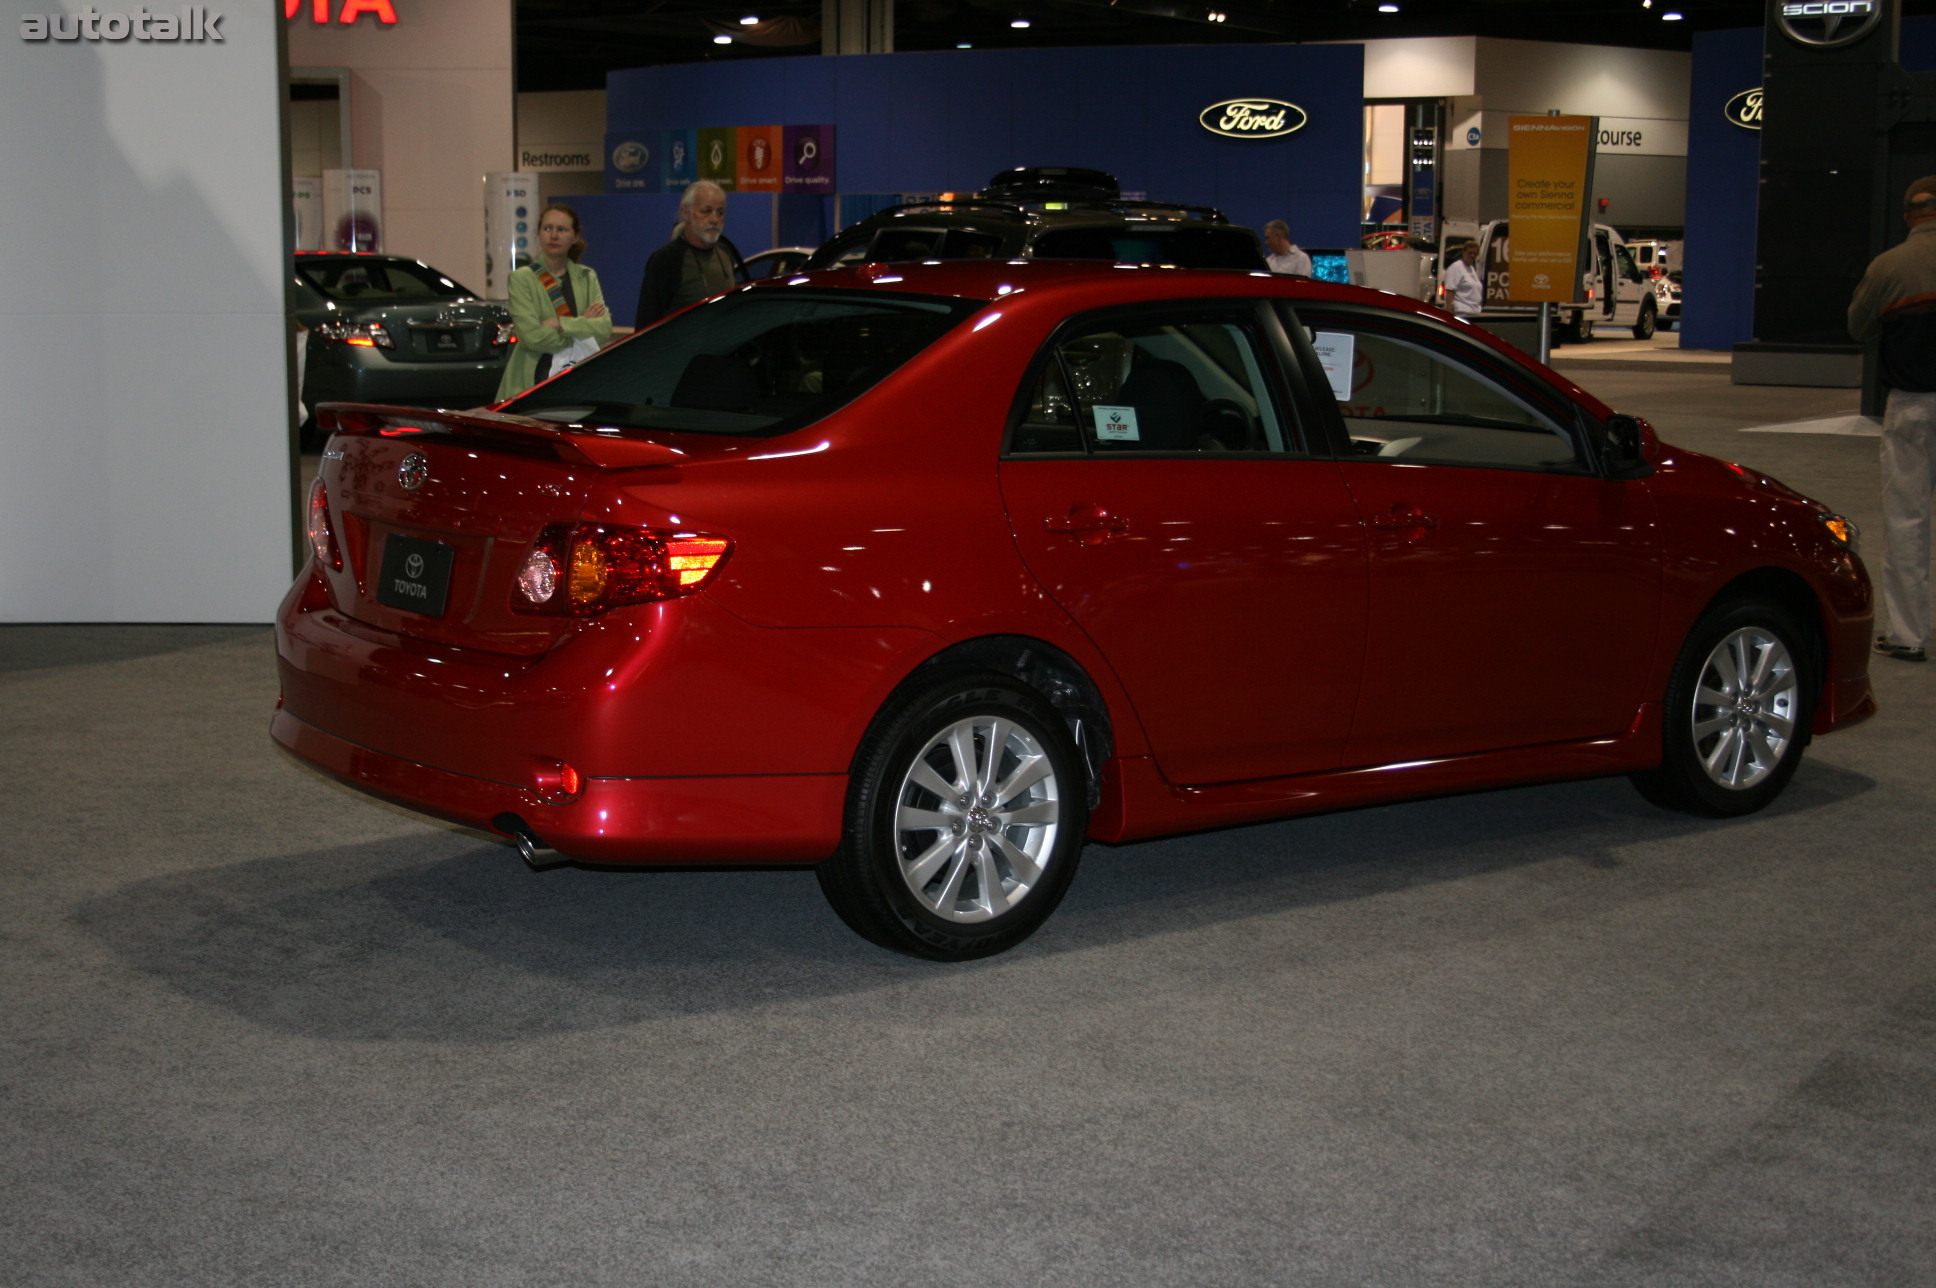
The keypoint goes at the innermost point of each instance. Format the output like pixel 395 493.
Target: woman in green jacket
pixel 556 306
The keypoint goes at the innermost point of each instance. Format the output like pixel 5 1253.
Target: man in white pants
pixel 1897 301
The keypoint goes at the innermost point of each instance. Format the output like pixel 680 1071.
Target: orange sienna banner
pixel 1549 177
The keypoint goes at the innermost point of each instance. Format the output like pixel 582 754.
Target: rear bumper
pixel 766 818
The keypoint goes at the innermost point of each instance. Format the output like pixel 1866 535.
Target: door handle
pixel 1093 523
pixel 1404 518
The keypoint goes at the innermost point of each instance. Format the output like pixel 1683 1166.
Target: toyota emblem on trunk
pixel 414 470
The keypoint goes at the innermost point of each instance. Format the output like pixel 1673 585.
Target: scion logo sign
pixel 1828 23
pixel 191 24
pixel 1744 109
pixel 1252 118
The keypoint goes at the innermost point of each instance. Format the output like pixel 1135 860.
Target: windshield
pixel 373 281
pixel 758 361
pixel 1185 245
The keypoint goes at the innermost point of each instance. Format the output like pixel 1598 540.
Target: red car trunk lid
pixel 435 512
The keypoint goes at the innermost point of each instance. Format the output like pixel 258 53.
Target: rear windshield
pixel 372 281
pixel 1187 246
pixel 758 361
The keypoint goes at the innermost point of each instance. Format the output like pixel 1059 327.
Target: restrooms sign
pixel 190 24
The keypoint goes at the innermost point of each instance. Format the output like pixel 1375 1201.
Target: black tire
pixel 1731 743
pixel 1645 325
pixel 997 863
pixel 1579 330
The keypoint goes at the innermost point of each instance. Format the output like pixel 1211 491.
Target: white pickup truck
pixel 1615 291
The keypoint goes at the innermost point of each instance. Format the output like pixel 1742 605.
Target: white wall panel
pixel 144 429
pixel 1421 67
pixel 1528 76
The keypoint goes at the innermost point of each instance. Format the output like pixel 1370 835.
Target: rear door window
pixel 1190 383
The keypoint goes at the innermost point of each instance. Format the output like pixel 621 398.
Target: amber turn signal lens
pixel 1842 530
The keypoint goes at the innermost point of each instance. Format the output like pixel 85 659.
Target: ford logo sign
pixel 1253 118
pixel 1744 109
pixel 1826 24
pixel 629 158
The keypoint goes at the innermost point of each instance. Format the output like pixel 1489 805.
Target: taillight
pixel 321 539
pixel 580 570
pixel 368 335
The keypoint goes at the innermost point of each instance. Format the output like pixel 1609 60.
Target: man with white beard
pixel 697 263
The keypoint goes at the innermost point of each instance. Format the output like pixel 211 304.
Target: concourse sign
pixel 1549 176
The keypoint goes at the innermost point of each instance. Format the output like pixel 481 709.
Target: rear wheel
pixel 1737 714
pixel 1580 329
pixel 1644 325
pixel 965 818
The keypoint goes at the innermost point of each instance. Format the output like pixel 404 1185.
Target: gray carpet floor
pixel 256 1030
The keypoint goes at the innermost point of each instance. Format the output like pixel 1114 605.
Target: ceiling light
pixel 1670 16
pixel 1387 8
pixel 1020 24
pixel 964 45
pixel 748 21
pixel 722 40
pixel 1215 16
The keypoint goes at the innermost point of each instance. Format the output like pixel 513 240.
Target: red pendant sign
pixel 348 11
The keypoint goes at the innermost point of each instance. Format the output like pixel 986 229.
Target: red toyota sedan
pixel 926 574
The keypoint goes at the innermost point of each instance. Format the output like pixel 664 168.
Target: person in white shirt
pixel 1284 257
pixel 1465 286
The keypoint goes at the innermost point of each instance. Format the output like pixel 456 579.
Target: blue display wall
pixel 1723 167
pixel 933 122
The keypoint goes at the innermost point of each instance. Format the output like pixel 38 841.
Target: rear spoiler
pixel 517 435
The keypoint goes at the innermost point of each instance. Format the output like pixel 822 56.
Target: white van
pixel 1615 291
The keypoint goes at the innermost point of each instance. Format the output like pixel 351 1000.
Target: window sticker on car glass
pixel 1116 424
pixel 1334 354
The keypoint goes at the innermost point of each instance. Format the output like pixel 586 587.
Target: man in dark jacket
pixel 1897 301
pixel 698 262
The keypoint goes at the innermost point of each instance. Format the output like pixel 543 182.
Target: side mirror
pixel 1624 445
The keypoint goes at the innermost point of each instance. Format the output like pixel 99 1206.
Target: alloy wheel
pixel 976 818
pixel 1745 707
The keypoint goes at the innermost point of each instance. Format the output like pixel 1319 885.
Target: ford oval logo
pixel 629 158
pixel 1253 118
pixel 1744 109
pixel 413 471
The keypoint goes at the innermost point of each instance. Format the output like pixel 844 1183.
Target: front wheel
pixel 1644 325
pixel 965 817
pixel 1737 714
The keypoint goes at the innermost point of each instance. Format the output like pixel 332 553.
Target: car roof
pixel 985 279
pixel 1042 211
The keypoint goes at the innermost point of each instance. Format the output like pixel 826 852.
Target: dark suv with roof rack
pixel 1046 212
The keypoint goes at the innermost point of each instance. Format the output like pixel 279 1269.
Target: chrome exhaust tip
pixel 533 851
